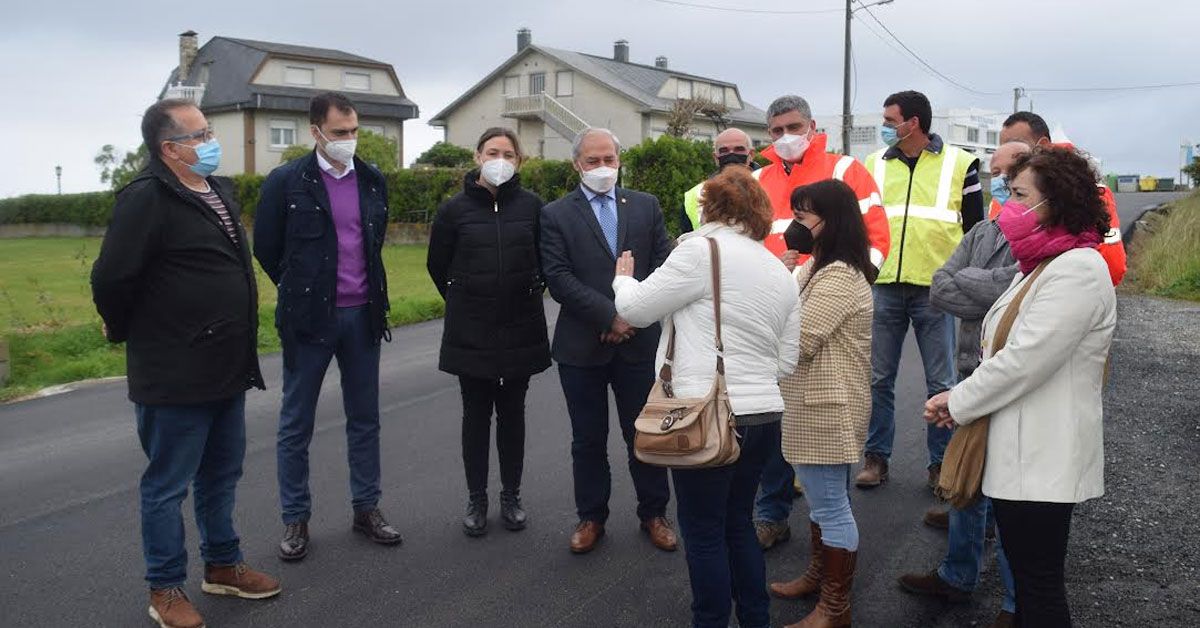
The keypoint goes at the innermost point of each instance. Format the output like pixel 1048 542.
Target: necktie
pixel 607 215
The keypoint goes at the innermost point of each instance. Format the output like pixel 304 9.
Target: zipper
pixel 912 172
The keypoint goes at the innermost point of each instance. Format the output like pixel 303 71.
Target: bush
pixel 89 209
pixel 667 167
pixel 549 179
pixel 415 194
pixel 246 189
pixel 446 155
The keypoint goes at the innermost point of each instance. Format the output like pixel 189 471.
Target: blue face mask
pixel 1000 190
pixel 889 135
pixel 208 157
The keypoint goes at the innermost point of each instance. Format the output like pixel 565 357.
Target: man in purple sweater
pixel 318 234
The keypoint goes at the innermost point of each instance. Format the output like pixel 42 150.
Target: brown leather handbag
pixel 961 481
pixel 689 432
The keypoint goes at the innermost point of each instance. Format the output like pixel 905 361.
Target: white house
pixel 975 130
pixel 255 95
pixel 549 95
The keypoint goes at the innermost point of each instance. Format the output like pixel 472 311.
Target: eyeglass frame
pixel 204 134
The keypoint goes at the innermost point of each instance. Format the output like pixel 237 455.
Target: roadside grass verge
pixel 1165 260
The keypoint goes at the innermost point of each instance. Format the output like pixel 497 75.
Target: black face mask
pixel 732 159
pixel 799 238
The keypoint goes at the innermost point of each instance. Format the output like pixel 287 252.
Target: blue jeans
pixel 357 353
pixel 723 557
pixel 827 489
pixel 200 445
pixel 895 306
pixel 774 502
pixel 586 392
pixel 965 545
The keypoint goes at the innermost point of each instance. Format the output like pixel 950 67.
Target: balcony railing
pixel 194 93
pixel 549 110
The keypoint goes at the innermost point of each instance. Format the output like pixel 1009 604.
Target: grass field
pixel 53 330
pixel 1166 261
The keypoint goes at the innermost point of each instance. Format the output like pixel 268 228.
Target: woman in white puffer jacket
pixel 760 329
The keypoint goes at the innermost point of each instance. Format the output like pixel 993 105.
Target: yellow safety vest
pixel 691 204
pixel 924 210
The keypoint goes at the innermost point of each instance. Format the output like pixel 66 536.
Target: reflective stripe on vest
pixel 924 214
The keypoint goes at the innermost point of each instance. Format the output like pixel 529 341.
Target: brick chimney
pixel 660 62
pixel 621 51
pixel 189 46
pixel 524 39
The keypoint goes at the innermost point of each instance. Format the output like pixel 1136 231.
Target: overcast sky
pixel 77 75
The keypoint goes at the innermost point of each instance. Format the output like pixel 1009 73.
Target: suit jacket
pixel 1043 391
pixel 578 267
pixel 827 401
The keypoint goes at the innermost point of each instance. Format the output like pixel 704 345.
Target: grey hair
pixel 784 104
pixel 577 145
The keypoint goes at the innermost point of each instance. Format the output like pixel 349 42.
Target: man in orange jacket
pixel 798 158
pixel 1029 127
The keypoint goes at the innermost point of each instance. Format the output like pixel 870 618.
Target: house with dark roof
pixel 255 95
pixel 549 95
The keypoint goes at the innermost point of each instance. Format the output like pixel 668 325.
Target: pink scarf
pixel 1031 242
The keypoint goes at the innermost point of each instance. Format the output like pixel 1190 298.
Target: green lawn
pixel 53 331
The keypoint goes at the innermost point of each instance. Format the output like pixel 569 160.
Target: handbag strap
pixel 664 374
pixel 1013 308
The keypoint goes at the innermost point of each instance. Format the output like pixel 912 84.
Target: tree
pixel 667 167
pixel 1193 172
pixel 377 150
pixel 684 111
pixel 118 175
pixel 447 155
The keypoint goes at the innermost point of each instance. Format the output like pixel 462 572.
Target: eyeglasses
pixel 204 134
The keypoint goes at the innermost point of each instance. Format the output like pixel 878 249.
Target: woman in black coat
pixel 483 257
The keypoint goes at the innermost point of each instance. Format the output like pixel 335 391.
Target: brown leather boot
pixel 874 472
pixel 239 580
pixel 833 609
pixel 172 609
pixel 810 582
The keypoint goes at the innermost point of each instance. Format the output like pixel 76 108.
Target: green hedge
pixel 665 167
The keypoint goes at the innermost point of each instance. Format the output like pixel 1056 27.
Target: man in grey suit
pixel 582 235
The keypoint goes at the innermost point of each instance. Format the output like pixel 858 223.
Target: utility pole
pixel 58 175
pixel 1018 92
pixel 847 118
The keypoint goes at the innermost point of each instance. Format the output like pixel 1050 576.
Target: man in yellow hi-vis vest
pixel 732 147
pixel 932 196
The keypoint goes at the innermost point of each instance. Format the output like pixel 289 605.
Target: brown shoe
pixel 587 535
pixel 1005 620
pixel 936 518
pixel 931 584
pixel 935 476
pixel 239 580
pixel 172 609
pixel 833 609
pixel 661 534
pixel 810 582
pixel 772 533
pixel 874 472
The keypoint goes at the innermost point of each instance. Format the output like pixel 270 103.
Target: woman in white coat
pixel 760 327
pixel 1045 448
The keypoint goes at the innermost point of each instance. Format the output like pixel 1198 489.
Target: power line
pixel 944 77
pixel 694 5
pixel 1128 88
pixel 887 42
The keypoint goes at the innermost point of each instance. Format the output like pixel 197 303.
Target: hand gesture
pixel 618 332
pixel 625 264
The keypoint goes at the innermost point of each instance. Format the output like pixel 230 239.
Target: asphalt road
pixel 70 545
pixel 1131 204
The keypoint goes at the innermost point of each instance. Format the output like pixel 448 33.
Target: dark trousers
pixel 199 445
pixel 586 392
pixel 715 507
pixel 304 367
pixel 1035 541
pixel 480 397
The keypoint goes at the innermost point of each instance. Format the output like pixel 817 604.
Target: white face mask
pixel 600 179
pixel 341 151
pixel 791 147
pixel 497 171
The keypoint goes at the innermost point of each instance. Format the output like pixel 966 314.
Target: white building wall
pixel 976 130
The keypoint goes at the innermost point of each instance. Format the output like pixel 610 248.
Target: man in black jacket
pixel 318 234
pixel 174 281
pixel 581 236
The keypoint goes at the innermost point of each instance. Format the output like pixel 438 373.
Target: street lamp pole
pixel 847 117
pixel 58 175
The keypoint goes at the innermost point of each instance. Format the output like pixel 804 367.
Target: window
pixel 297 76
pixel 360 81
pixel 958 133
pixel 512 85
pixel 537 83
pixel 377 129
pixel 683 89
pixel 283 133
pixel 564 83
pixel 972 134
pixel 863 134
pixel 993 137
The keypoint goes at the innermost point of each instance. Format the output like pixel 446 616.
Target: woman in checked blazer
pixel 828 399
